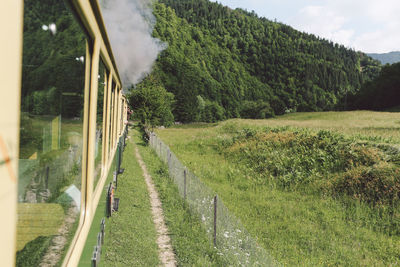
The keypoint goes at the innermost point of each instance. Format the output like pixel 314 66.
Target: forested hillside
pixel 222 63
pixel 382 93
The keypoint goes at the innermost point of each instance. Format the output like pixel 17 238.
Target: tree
pixel 381 93
pixel 243 65
pixel 151 103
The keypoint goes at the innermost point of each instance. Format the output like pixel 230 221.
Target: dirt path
pixel 166 254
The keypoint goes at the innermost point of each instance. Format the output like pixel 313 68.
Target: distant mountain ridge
pixel 386 58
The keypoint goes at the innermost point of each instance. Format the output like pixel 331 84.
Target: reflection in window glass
pixel 99 122
pixel 116 114
pixel 122 117
pixel 50 133
pixel 111 119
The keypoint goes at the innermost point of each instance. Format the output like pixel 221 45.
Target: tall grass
pixel 293 158
pixel 310 197
pixel 363 125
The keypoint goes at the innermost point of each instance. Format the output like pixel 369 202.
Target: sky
pixel 371 26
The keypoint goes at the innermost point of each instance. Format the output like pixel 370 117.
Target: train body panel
pixel 10 79
pixel 77 139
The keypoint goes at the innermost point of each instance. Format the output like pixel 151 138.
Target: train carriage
pixel 62 130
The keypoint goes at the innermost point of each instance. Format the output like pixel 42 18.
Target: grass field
pixel 316 220
pixel 189 239
pixel 130 238
pixel 130 233
pixel 363 125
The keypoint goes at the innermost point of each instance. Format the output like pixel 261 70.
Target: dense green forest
pixel 220 63
pixel 382 93
pixel 223 63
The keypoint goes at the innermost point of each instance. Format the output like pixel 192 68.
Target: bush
pixel 378 184
pixel 152 104
pixel 256 110
pixel 323 161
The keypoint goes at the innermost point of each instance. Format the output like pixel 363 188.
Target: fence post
pixel 151 139
pixel 215 220
pixel 184 184
pixel 169 159
pixel 47 177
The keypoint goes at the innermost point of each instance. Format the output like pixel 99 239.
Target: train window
pixel 117 103
pixel 111 119
pixel 102 86
pixel 116 114
pixel 51 141
pixel 122 117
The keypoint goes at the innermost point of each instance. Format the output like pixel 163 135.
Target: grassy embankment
pixel 316 189
pixel 131 239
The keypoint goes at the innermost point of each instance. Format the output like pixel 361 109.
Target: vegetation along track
pixel 167 255
pixel 313 193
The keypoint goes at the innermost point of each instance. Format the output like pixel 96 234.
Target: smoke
pixel 130 25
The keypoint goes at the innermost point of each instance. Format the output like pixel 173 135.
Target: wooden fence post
pixel 215 220
pixel 151 139
pixel 184 184
pixel 169 158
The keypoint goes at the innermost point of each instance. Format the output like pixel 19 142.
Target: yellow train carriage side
pixel 98 140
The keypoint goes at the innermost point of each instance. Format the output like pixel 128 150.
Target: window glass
pixel 102 85
pixel 50 160
pixel 111 119
pixel 116 114
pixel 122 117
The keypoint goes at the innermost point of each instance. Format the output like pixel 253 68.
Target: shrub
pixel 377 184
pixel 294 157
pixel 152 104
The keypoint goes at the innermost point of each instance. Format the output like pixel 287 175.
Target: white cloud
pixel 380 41
pixel 385 11
pixel 368 25
pixel 323 22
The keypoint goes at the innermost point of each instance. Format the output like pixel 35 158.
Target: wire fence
pixel 231 239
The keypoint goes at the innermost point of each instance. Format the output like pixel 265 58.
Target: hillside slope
pixel 387 58
pixel 381 93
pixel 223 63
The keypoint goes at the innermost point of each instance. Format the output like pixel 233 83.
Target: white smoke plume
pixel 130 25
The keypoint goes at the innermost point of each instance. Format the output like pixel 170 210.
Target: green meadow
pixel 314 189
pixel 130 233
